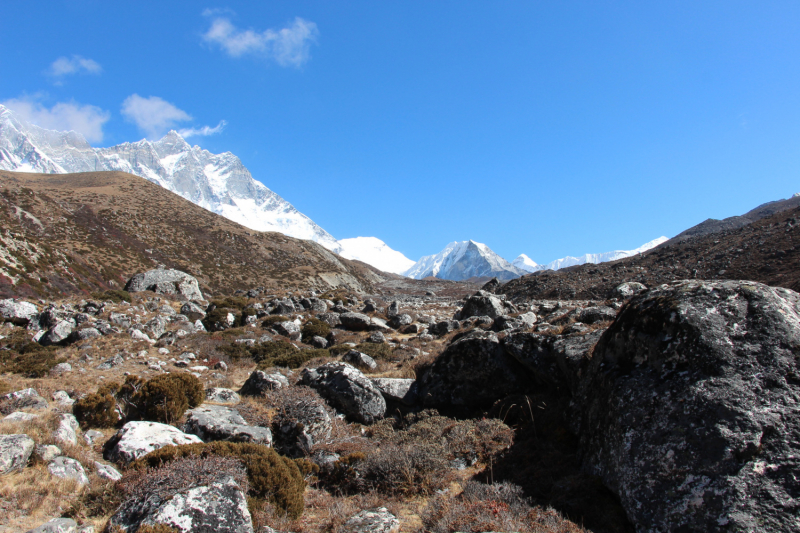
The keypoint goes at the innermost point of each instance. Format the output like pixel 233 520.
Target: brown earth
pixel 766 250
pixel 77 233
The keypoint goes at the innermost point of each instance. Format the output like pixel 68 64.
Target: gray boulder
pixel 398 390
pixel 166 281
pixel 137 439
pixel 319 342
pixel 58 334
pixel 57 525
pixel 192 311
pixel 398 321
pixel 223 396
pixel 627 289
pixel 156 327
pixel 360 360
pixel 332 319
pixel 288 329
pixel 120 319
pixel 23 399
pixel 68 468
pixel 690 408
pixel 217 507
pixel 17 312
pixel 66 431
pixel 111 362
pixel 355 321
pixel 378 520
pixel 216 422
pixel 592 315
pixel 301 422
pixel 474 371
pixel 47 452
pixel 15 450
pixel 83 334
pixel 107 472
pixel 348 390
pixel 440 329
pixel 484 303
pixel 260 382
pixel 393 310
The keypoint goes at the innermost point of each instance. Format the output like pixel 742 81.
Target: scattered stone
pixel 20 416
pixel 378 520
pixel 355 321
pixel 112 362
pixel 192 311
pixel 23 399
pixel 68 468
pixel 57 525
pixel 360 360
pixel 393 310
pixel 376 337
pixel 66 431
pixel 139 335
pixel 288 329
pixel 592 315
pixel 332 319
pixel 57 334
pixel 47 452
pixel 347 389
pixel 628 289
pixel 15 450
pixel 398 390
pixel 398 321
pixel 319 342
pixel 483 303
pixel 107 471
pixel 92 436
pixel 137 439
pixel 61 368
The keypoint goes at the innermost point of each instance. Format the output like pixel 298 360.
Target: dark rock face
pixel 483 303
pixel 691 408
pixel 260 382
pixel 473 371
pixel 347 389
pixel 166 281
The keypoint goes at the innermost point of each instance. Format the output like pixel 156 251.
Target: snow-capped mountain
pixel 374 251
pixel 524 262
pixel 464 260
pixel 217 182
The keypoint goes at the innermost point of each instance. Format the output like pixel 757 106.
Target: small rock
pixel 15 450
pixel 360 360
pixel 66 430
pixel 68 468
pixel 378 520
pixel 20 416
pixel 61 368
pixel 92 436
pixel 47 452
pixel 223 396
pixel 58 525
pixel 107 471
pixel 137 439
pixel 259 382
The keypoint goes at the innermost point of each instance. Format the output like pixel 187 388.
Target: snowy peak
pixel 217 182
pixel 523 262
pixel 375 252
pixel 463 260
pixel 569 261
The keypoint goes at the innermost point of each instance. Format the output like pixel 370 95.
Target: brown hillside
pixel 766 250
pixel 71 233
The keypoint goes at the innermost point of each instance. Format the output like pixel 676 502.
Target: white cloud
pixel 87 120
pixel 64 66
pixel 153 115
pixel 289 46
pixel 202 132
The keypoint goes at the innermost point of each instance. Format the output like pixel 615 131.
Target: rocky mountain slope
pixel 464 260
pixel 63 234
pixel 765 250
pixel 526 263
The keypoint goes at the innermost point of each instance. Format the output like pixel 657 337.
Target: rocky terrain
pixel 79 233
pixel 764 250
pixel 163 369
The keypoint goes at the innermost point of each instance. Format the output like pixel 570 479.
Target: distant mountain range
pixel 525 263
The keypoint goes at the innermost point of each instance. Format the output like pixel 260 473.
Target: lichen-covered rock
pixel 359 360
pixel 219 507
pixel 348 390
pixel 137 439
pixel 23 399
pixel 483 303
pixel 690 408
pixel 355 321
pixel 166 281
pixel 66 432
pixel 47 452
pixel 260 382
pixel 68 468
pixel 627 289
pixel 192 311
pixel 301 422
pixel 223 396
pixel 398 389
pixel 378 520
pixel 216 422
pixel 57 525
pixel 58 334
pixel 288 329
pixel 17 312
pixel 107 471
pixel 15 450
pixel 471 372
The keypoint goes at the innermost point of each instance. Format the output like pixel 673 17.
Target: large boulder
pixel 483 303
pixel 348 390
pixel 260 382
pixel 216 507
pixel 355 321
pixel 690 408
pixel 474 371
pixel 15 450
pixel 58 334
pixel 166 281
pixel 593 315
pixel 16 312
pixel 301 422
pixel 137 439
pixel 216 422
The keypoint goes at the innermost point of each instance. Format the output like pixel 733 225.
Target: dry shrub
pixel 23 356
pixel 315 328
pixel 272 477
pixel 294 359
pixel 166 397
pixel 407 470
pixel 100 500
pixel 115 295
pixel 96 411
pixel 496 507
pixel 272 320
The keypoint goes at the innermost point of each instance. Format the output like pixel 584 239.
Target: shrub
pixel 231 302
pixel 413 469
pixel 272 320
pixel 99 501
pixel 294 359
pixel 96 411
pixel 315 328
pixel 217 319
pixel 166 397
pixel 28 358
pixel 115 295
pixel 271 476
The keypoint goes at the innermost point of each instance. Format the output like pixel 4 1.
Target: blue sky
pixel 545 128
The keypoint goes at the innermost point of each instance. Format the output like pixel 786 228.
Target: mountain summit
pixel 217 182
pixel 464 260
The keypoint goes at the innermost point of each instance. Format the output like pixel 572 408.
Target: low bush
pixel 231 302
pixel 23 356
pixel 272 320
pixel 271 476
pixel 406 470
pixel 292 360
pixel 315 328
pixel 115 295
pixel 96 411
pixel 166 397
pixel 99 500
pixel 217 319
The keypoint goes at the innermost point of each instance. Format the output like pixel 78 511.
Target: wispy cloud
pixel 88 120
pixel 154 116
pixel 205 131
pixel 65 66
pixel 289 46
